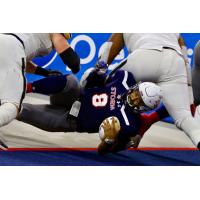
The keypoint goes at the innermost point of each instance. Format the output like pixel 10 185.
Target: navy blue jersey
pixel 99 103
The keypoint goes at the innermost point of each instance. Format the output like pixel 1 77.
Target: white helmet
pixel 150 94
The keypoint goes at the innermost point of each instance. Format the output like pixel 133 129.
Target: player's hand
pixel 101 67
pixel 110 129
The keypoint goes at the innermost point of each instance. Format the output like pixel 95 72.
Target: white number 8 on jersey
pixel 99 100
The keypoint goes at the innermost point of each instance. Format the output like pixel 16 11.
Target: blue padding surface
pixel 91 158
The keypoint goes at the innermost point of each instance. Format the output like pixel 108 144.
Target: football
pixel 101 129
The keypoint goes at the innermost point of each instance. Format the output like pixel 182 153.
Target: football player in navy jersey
pixel 87 108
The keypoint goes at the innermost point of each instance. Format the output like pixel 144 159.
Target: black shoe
pixel 198 146
pixel 3 146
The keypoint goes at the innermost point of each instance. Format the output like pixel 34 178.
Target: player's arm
pixel 146 120
pixel 118 145
pixel 66 53
pixel 92 78
pixel 121 142
pixel 32 68
pixel 8 112
pixel 113 139
pixel 112 48
pixel 108 132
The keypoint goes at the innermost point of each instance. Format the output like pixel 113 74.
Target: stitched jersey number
pixel 99 100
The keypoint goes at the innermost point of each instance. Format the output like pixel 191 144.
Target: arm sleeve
pixel 71 59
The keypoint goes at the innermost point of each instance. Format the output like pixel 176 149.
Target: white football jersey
pixel 135 41
pixel 36 44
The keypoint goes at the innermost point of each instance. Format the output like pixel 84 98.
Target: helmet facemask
pixel 136 97
pixel 134 100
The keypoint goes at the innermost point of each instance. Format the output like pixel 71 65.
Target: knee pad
pixel 70 93
pixel 71 83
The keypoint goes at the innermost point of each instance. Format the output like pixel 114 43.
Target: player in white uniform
pixel 196 74
pixel 16 53
pixel 157 57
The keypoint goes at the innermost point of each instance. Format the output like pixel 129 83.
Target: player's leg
pixel 69 94
pixel 190 89
pixel 11 94
pixel 196 80
pixel 13 90
pixel 12 80
pixel 49 85
pixel 63 90
pixel 144 64
pixel 176 100
pixel 47 117
pixel 174 86
pixel 167 67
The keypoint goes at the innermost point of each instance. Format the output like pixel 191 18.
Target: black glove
pixel 95 79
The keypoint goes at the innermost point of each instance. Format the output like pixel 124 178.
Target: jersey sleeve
pixel 116 76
